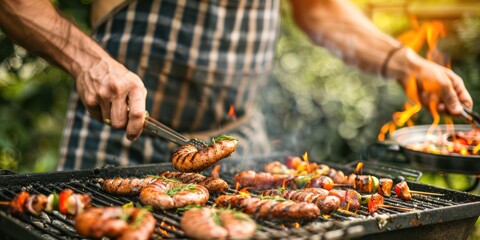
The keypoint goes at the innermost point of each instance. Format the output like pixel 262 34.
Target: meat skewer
pixel 213 184
pixel 213 223
pixel 362 183
pixel 115 222
pixel 67 203
pixel 270 208
pixel 188 158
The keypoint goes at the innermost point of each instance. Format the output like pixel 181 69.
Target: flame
pixel 284 183
pixel 231 112
pixel 359 168
pixel 237 186
pixel 305 158
pixel 422 35
pixel 163 228
pixel 215 171
pixel 296 224
pixel 283 226
pixel 244 192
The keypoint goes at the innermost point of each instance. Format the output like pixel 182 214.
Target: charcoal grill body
pixel 450 217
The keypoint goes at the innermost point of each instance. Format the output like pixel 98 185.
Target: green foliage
pixel 33 102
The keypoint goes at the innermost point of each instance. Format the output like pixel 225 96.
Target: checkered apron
pixel 198 60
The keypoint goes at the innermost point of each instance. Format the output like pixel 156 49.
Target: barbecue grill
pixel 449 217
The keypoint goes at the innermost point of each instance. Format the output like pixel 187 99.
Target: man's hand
pixel 111 92
pixel 435 84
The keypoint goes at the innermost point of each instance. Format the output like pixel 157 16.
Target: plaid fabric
pixel 197 59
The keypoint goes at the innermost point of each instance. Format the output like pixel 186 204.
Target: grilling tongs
pixel 471 116
pixel 159 129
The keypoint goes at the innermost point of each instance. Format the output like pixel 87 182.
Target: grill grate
pixel 432 210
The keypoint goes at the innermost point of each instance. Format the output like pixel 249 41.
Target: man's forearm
pixel 342 28
pixel 37 26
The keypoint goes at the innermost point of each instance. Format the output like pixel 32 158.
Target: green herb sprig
pixel 184 187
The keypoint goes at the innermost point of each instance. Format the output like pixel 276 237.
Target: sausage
pixel 107 222
pixel 167 195
pixel 188 158
pixel 270 209
pixel 215 185
pixel 237 224
pixel 126 186
pixel 199 223
pixel 264 181
pixel 326 204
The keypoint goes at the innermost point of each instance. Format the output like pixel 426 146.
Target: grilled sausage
pixel 199 223
pixel 270 209
pixel 167 195
pixel 326 204
pixel 215 185
pixel 237 224
pixel 264 181
pixel 126 186
pixel 211 223
pixel 107 222
pixel 188 158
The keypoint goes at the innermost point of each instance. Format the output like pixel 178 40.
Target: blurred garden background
pixel 314 102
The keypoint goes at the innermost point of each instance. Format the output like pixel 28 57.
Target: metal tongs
pixel 159 129
pixel 471 116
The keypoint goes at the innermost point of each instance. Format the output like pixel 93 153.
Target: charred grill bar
pixel 451 216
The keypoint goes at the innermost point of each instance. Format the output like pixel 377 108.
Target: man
pixel 187 62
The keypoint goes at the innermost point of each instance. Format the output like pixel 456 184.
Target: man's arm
pixel 341 27
pixel 104 85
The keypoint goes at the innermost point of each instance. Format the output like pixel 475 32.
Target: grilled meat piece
pixel 188 158
pixel 270 209
pixel 167 195
pixel 264 181
pixel 349 198
pixel 326 204
pixel 215 185
pixel 211 223
pixel 126 186
pixel 115 222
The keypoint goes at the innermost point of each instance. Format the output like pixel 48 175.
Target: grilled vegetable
pixel 366 183
pixel 403 191
pixel 67 203
pixel 385 188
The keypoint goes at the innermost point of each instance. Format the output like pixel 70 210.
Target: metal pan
pixel 451 163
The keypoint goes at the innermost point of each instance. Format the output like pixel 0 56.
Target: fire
pixel 231 112
pixel 242 192
pixel 215 171
pixel 305 158
pixel 425 35
pixel 163 228
pixel 359 168
pixel 296 224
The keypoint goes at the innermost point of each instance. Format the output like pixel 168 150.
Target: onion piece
pixel 49 207
pixel 29 203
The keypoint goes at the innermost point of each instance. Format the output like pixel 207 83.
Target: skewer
pixel 397 207
pixel 5 203
pixel 427 193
